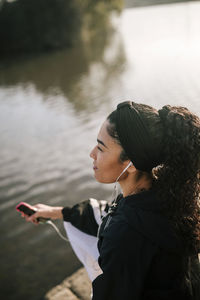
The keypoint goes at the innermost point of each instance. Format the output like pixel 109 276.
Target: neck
pixel 132 185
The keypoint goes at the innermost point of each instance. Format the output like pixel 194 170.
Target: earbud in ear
pixel 130 164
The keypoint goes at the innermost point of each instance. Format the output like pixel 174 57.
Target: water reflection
pixel 51 107
pixel 80 75
pixel 47 129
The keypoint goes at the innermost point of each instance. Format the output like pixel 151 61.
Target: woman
pixel 149 238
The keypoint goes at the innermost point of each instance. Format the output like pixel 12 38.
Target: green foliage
pixel 96 17
pixel 36 25
pixel 41 25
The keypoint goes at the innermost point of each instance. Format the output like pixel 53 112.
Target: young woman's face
pixel 107 166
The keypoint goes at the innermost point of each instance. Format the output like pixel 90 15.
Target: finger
pixel 33 217
pixel 35 222
pixel 27 218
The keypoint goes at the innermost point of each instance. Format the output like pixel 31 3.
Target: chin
pixel 103 180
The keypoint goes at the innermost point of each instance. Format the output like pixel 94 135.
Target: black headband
pixel 135 137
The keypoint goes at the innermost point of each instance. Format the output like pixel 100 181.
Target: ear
pixel 131 169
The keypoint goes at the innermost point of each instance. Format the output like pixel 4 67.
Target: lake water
pixel 51 108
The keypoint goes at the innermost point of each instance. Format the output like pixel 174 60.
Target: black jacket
pixel 139 254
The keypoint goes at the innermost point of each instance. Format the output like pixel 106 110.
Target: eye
pixel 99 148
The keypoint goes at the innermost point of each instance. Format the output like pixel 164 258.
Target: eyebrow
pixel 102 143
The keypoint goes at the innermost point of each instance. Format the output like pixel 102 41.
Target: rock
pixel 75 287
pixel 60 293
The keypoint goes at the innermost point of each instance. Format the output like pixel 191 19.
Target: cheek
pixel 104 160
pixel 108 168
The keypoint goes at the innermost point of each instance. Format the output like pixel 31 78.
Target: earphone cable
pixel 57 230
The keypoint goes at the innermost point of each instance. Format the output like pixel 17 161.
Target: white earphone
pixel 114 193
pixel 130 164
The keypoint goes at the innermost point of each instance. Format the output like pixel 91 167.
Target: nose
pixel 92 153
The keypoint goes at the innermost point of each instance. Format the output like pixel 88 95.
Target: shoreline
pixel 75 287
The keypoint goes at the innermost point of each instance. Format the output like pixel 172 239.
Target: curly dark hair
pixel 176 134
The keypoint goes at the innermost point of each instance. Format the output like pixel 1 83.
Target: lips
pixel 94 167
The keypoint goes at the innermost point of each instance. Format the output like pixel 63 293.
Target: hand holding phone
pixel 29 211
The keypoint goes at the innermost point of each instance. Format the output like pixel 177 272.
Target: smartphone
pixel 25 208
pixel 29 211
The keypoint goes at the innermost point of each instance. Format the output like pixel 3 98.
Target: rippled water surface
pixel 51 108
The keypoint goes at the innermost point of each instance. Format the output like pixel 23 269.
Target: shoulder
pixel 120 236
pixel 117 230
pixel 121 247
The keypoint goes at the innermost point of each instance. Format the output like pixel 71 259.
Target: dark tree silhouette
pixel 41 25
pixel 37 25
